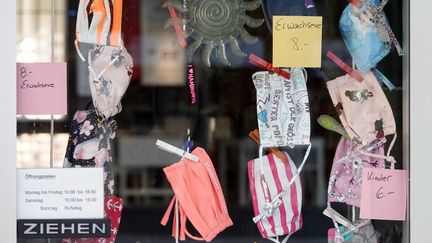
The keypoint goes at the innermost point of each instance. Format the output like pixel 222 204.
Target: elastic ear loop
pixel 176 210
pixel 79 51
pixel 284 191
pixel 267 197
pixel 349 230
pixel 82 7
pixel 276 239
pixel 301 165
pixel 108 66
pixel 338 233
pixel 305 74
pixel 388 157
pixel 262 178
pixel 380 8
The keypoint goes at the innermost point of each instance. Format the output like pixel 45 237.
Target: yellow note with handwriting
pixel 297 41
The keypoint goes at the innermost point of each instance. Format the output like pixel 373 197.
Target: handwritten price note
pixel 41 89
pixel 384 194
pixel 297 41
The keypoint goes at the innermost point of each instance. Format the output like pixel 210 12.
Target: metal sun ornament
pixel 215 24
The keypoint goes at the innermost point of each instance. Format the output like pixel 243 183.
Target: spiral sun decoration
pixel 215 24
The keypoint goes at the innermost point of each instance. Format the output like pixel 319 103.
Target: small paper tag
pixel 384 194
pixel 41 89
pixel 297 41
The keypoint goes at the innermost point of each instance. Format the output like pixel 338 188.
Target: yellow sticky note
pixel 297 41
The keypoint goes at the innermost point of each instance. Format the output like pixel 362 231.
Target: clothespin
pixel 355 3
pixel 281 155
pixel 188 143
pixel 172 149
pixel 257 61
pixel 178 28
pixel 331 213
pixel 353 73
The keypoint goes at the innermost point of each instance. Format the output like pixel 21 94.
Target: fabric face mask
pixel 362 107
pixel 97 31
pixel 105 26
pixel 89 144
pixel 276 195
pixel 345 177
pixel 200 198
pixel 109 77
pixel 282 109
pixel 362 232
pixel 367 34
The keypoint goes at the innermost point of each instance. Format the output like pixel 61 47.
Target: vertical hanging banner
pixel 41 88
pixel 297 41
pixel 384 194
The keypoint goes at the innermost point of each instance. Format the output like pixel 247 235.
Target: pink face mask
pixel 363 108
pixel 276 194
pixel 345 178
pixel 200 198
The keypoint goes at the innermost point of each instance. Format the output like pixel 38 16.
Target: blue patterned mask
pixel 367 33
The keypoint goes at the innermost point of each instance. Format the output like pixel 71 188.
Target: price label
pixel 384 194
pixel 297 41
pixel 64 193
pixel 41 89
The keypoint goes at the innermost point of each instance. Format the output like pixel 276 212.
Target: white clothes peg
pixel 172 149
pixel 329 212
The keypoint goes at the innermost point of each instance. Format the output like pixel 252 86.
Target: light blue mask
pixel 367 34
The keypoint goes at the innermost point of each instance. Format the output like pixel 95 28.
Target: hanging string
pixel 177 218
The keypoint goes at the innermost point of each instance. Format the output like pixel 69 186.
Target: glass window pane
pixel 218 107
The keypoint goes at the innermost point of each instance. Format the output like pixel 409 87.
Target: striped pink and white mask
pixel 276 194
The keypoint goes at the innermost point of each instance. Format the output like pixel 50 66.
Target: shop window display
pixel 181 72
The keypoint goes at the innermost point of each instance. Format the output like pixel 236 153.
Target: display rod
pixel 52 60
